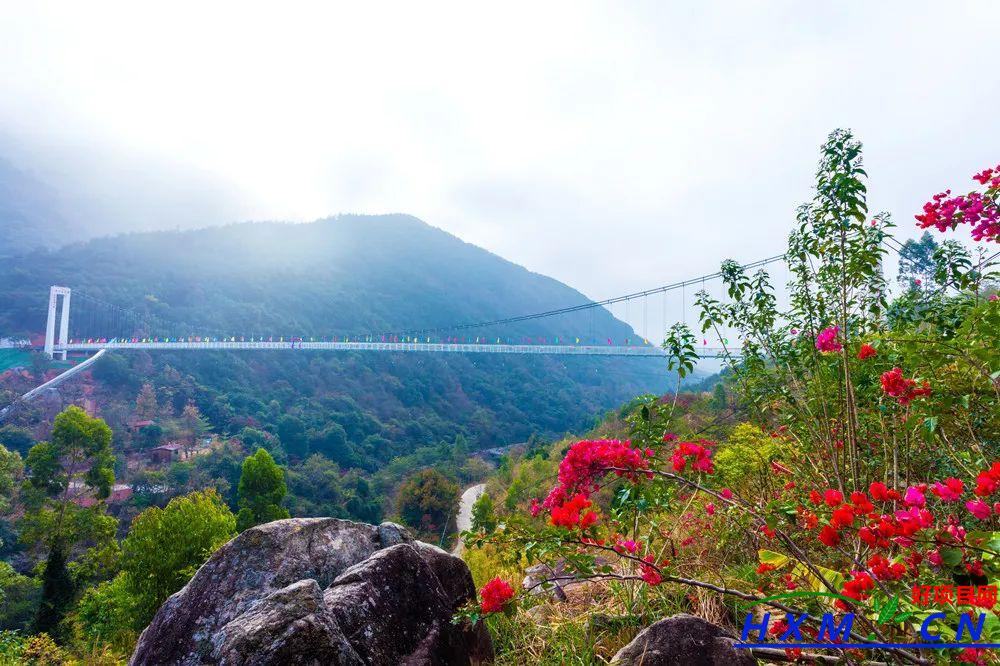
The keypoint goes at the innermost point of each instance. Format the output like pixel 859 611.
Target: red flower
pixel 988 481
pixel 842 517
pixel 901 388
pixel 833 497
pixel 949 491
pixel 815 497
pixel 858 588
pixel 568 513
pixel 699 454
pixel 494 595
pixel 829 536
pixel 861 503
pixel 879 492
pixel 866 352
pixel 885 570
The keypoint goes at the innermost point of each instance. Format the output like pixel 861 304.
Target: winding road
pixel 464 519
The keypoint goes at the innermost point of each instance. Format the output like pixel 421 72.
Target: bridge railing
pixel 434 347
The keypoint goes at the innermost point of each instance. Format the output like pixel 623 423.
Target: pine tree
pixel 57 593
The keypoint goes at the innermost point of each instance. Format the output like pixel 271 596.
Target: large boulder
pixel 319 591
pixel 683 640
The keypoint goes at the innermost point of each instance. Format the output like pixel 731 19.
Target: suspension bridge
pixel 111 327
pixel 104 327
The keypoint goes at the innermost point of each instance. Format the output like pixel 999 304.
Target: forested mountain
pixel 350 275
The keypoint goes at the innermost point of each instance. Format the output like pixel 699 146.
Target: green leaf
pixel 951 556
pixel 773 558
pixel 887 611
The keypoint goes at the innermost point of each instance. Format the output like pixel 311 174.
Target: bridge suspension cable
pixel 592 304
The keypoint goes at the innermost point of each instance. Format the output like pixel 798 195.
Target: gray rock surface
pixel 319 591
pixel 682 640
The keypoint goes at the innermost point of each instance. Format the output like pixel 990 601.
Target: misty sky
pixel 613 146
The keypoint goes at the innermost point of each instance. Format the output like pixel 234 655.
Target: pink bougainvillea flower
pixel 827 341
pixel 536 507
pixel 697 454
pixel 979 509
pixel 587 461
pixel 914 497
pixel 972 655
pixel 980 211
pixel 628 546
pixel 726 493
pixel 649 574
pixel 495 594
pixel 710 509
pixel 866 352
pixel 949 491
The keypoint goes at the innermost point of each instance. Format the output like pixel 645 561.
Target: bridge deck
pixel 573 350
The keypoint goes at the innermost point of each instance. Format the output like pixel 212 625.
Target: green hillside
pixel 344 276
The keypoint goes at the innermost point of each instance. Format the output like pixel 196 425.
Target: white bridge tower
pixel 50 324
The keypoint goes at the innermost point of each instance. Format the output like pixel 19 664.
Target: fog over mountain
pixel 51 195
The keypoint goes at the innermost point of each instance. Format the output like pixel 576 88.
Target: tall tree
pixel 916 260
pixel 146 406
pixel 194 423
pixel 77 460
pixel 262 487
